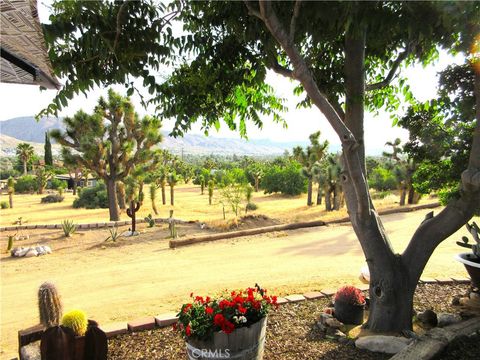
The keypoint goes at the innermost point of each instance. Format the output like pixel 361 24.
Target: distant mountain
pixel 27 129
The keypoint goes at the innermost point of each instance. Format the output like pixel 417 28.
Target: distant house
pixel 70 178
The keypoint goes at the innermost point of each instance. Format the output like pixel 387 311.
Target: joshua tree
pixel 308 157
pixel 172 180
pixel 110 142
pixel 202 183
pixel 121 195
pixel 25 152
pixel 160 177
pixel 11 190
pixel 211 185
pixel 43 175
pixel 153 195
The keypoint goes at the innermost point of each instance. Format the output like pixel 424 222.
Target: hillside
pixel 27 129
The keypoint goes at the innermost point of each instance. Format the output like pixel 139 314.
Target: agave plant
pixel 114 234
pixel 68 227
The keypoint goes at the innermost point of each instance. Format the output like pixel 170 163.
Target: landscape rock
pixel 31 351
pixel 445 319
pixel 130 233
pixel 382 343
pixel 334 323
pixel 324 317
pixel 475 296
pixel 40 250
pixel 31 253
pixel 428 318
pixel 47 249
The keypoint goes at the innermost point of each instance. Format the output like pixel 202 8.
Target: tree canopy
pixel 345 58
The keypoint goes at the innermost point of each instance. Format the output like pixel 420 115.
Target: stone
pixel 130 233
pixel 114 329
pixel 333 323
pixel 31 253
pixel 382 343
pixel 313 295
pixel 47 249
pixel 428 318
pixel 456 301
pixel 295 298
pixel 321 326
pixel 147 323
pixel 20 252
pixel 475 296
pixel 281 301
pixel 164 320
pixel 328 292
pixel 445 319
pixel 40 250
pixel 31 351
pixel 324 317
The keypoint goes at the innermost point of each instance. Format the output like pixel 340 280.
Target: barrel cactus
pixel 49 305
pixel 77 321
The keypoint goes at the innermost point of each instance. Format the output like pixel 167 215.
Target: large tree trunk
pixel 112 200
pixel 319 194
pixel 403 194
pixel 328 199
pixel 164 197
pixel 393 277
pixel 10 200
pixel 257 183
pixel 309 192
pixel 121 195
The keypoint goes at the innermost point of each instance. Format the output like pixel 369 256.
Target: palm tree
pixel 25 152
pixel 172 180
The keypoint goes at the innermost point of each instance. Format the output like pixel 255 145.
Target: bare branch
pixel 391 74
pixel 252 10
pixel 293 21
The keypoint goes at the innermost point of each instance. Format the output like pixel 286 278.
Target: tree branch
pixel 281 70
pixel 391 74
pixel 252 11
pixel 293 21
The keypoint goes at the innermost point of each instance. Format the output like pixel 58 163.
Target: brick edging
pixel 168 319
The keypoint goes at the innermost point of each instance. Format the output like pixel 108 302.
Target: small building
pixel 91 180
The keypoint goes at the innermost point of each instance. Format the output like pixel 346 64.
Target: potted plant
pixel 231 326
pixel 471 261
pixel 349 305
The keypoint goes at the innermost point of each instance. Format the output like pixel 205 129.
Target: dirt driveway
pixel 142 276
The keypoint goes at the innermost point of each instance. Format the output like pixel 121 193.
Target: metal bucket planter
pixel 348 313
pixel 472 264
pixel 246 343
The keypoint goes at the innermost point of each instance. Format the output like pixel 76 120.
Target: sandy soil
pixel 142 276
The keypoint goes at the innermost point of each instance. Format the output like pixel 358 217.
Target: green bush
pixel 25 184
pixel 382 179
pixel 57 184
pixel 287 180
pixel 252 206
pixel 92 198
pixel 4 205
pixel 56 198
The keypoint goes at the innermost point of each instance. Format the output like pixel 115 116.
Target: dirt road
pixel 142 276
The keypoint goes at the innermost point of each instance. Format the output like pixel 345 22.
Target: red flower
pixel 228 327
pixel 219 320
pixel 188 330
pixel 242 310
pixel 208 310
pixel 187 307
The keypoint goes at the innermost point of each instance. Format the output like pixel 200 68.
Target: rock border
pixel 90 225
pixel 170 318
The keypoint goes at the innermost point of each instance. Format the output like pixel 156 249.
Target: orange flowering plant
pixel 202 317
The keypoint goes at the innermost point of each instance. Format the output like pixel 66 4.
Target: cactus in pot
pixel 49 305
pixel 474 230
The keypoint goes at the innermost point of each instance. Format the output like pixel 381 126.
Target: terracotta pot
pixel 348 313
pixel 472 264
pixel 246 343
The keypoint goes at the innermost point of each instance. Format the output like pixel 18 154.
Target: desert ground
pixel 138 276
